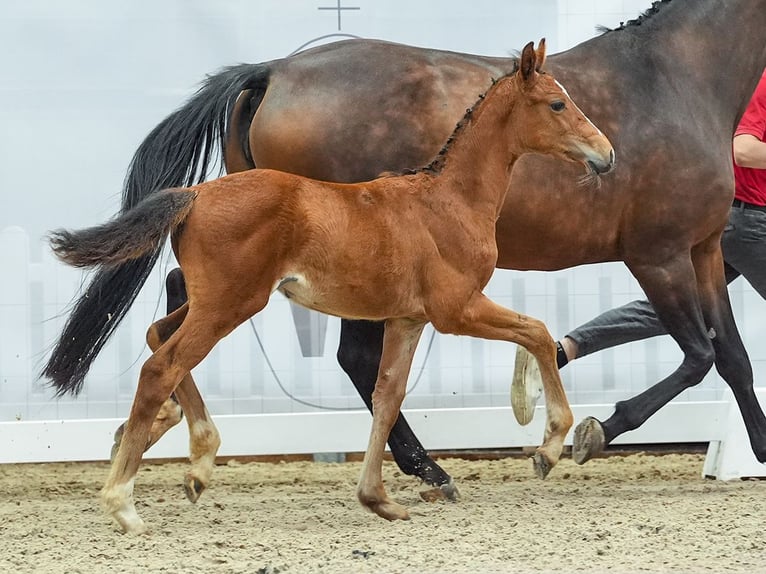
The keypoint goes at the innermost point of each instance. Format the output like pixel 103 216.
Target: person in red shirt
pixel 743 243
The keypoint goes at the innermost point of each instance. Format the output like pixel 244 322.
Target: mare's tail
pixel 114 246
pixel 177 153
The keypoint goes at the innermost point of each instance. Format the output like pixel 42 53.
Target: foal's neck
pixel 478 158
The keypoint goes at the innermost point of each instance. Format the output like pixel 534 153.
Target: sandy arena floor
pixel 637 513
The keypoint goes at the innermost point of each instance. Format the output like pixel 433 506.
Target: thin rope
pixel 323 407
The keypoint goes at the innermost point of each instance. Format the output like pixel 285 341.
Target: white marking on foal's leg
pixel 117 500
pixel 204 441
pixel 526 387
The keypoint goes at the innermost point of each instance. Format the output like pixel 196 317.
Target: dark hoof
pixel 446 491
pixel 193 488
pixel 541 465
pixel 589 440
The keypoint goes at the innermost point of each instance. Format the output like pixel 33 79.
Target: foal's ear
pixel 528 62
pixel 540 53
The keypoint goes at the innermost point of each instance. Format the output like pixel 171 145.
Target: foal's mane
pixel 437 164
pixel 643 17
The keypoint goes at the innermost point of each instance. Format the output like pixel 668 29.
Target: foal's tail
pixel 127 237
pixel 177 153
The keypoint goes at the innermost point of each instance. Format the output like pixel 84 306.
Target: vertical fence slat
pixel 15 335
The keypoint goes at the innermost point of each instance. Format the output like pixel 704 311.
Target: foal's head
pixel 546 120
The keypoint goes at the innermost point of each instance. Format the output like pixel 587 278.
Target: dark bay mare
pixel 406 250
pixel 667 89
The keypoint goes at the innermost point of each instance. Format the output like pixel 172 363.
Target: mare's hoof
pixel 446 491
pixel 541 465
pixel 526 387
pixel 193 488
pixel 589 440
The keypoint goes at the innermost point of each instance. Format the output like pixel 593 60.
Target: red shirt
pixel 750 183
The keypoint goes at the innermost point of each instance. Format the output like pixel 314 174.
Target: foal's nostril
pixel 601 167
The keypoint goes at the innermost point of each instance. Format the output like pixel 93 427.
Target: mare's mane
pixel 437 164
pixel 643 17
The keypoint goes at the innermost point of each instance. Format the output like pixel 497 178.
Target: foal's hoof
pixel 541 465
pixel 446 491
pixel 526 387
pixel 193 488
pixel 390 510
pixel 589 440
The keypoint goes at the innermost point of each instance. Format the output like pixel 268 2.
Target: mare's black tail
pixel 178 152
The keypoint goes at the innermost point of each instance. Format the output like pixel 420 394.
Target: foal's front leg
pixel 359 352
pixel 484 318
pixel 399 343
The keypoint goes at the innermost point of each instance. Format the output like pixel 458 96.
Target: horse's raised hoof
pixel 541 465
pixel 446 491
pixel 193 488
pixel 589 440
pixel 526 387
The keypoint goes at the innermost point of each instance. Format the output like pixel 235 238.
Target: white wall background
pixel 82 82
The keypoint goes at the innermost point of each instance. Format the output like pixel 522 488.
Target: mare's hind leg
pixel 672 290
pixel 731 359
pixel 359 354
pixel 485 319
pixel 399 343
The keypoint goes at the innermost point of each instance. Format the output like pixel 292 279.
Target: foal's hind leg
pixel 399 343
pixel 359 352
pixel 171 411
pixel 204 439
pixel 485 319
pixel 160 375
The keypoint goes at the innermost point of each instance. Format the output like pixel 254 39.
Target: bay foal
pixel 405 249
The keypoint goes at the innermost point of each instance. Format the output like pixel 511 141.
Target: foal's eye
pixel 558 106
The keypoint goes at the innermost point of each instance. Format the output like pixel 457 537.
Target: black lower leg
pixel 359 351
pixel 175 288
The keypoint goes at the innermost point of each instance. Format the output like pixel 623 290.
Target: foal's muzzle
pixel 602 165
